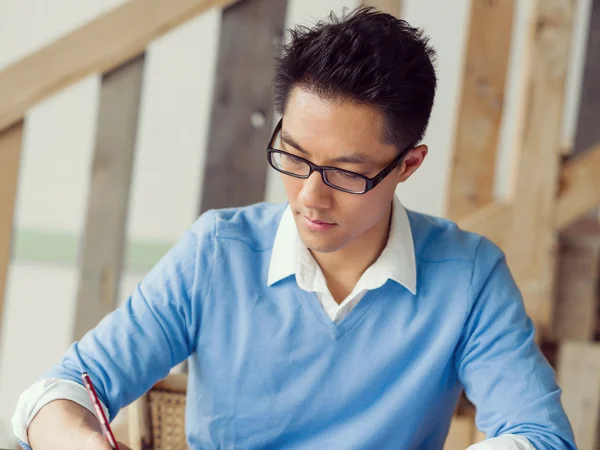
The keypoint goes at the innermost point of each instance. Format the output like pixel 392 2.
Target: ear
pixel 412 162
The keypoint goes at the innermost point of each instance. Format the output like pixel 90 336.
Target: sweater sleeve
pixel 505 375
pixel 154 330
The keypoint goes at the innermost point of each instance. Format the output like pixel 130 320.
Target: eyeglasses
pixel 340 179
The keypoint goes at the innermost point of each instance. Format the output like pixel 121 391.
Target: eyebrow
pixel 351 158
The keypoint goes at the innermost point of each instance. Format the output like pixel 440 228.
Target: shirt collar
pixel 396 262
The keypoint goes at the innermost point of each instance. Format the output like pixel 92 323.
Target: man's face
pixel 328 132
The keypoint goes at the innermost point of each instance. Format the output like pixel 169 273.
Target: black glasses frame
pixel 370 183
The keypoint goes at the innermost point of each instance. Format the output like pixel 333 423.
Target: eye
pixel 291 159
pixel 349 176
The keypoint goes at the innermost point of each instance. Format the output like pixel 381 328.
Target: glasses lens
pixel 289 164
pixel 345 180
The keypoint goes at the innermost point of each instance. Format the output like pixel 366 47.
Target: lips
pixel 317 225
pixel 322 222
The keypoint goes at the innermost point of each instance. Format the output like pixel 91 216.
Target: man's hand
pixel 65 425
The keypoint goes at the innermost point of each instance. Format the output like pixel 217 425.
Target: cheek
pixel 362 212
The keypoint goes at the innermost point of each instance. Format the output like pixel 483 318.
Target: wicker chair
pixel 157 419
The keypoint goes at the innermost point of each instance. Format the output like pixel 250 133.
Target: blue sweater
pixel 269 369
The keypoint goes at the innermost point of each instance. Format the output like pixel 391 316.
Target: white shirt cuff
pixel 43 392
pixel 506 442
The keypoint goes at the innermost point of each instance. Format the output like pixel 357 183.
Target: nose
pixel 315 194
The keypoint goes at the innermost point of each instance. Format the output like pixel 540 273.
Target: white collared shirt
pixel 397 262
pixel 289 257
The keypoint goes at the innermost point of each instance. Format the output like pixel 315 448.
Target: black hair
pixel 368 57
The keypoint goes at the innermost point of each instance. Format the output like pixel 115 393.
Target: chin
pixel 321 245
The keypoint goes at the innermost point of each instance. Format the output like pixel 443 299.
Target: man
pixel 340 320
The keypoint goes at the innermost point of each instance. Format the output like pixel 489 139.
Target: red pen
pixel 110 437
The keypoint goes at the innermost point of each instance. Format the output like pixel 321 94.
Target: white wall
pixel 170 154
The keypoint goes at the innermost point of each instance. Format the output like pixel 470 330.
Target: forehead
pixel 329 128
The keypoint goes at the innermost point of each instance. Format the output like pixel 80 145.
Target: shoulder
pixel 255 225
pixel 438 240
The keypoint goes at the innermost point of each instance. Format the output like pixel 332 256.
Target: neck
pixel 342 269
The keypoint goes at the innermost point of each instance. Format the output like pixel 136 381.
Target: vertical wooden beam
pixel 481 107
pixel 103 241
pixel 393 7
pixel 531 238
pixel 579 378
pixel 243 107
pixel 588 131
pixel 11 142
pixel 579 190
pixel 578 282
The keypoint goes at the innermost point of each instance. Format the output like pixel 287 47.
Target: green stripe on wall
pixel 56 247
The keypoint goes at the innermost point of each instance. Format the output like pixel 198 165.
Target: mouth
pixel 317 225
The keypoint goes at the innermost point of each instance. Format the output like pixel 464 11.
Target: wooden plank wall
pixel 544 189
pixel 102 249
pixel 242 110
pixel 531 237
pixel 11 142
pixel 470 194
pixel 584 155
pixel 579 270
pixel 481 107
pixel 578 282
pixel 98 47
pixel 588 129
pixel 577 317
pixel 579 187
pixel 579 377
